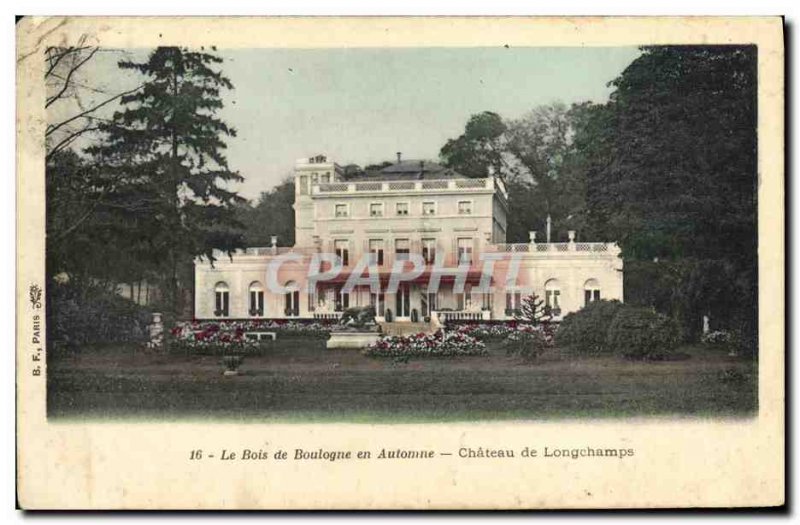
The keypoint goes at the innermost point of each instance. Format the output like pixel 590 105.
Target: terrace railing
pixel 461 315
pixel 583 247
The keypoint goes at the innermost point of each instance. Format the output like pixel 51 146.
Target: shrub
pixel 78 315
pixel 717 337
pixel 528 343
pixel 441 343
pixel 640 333
pixel 585 332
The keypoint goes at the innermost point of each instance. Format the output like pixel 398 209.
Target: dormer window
pixel 376 209
pixel 428 208
pixel 341 210
pixel 402 208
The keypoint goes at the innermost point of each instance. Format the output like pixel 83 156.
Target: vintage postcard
pixel 400 263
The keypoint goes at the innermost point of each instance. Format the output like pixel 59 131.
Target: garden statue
pixel 156 333
pixel 359 318
pixel 356 329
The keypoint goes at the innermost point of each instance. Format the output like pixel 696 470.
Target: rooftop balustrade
pixel 454 185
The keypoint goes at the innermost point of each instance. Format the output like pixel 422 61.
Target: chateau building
pixel 415 240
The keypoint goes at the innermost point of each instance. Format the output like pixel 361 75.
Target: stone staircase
pixel 406 328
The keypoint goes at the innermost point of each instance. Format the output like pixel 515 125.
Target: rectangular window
pixel 427 302
pixel 513 302
pixel 432 302
pixel 341 210
pixel 428 208
pixel 464 300
pixel 376 209
pixel 401 208
pixel 401 249
pixel 378 301
pixel 486 301
pixel 465 250
pixel 325 178
pixel 464 207
pixel 342 251
pixel 342 301
pixel 312 300
pixel 429 250
pixel 376 251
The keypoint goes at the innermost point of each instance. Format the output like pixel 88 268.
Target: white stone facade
pixel 407 210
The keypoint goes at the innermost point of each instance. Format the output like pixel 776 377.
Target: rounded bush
pixel 585 332
pixel 640 333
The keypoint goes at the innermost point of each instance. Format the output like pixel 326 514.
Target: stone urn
pixel 232 364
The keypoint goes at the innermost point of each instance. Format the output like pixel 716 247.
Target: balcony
pixel 400 187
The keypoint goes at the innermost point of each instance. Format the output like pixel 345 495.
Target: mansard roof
pixel 408 170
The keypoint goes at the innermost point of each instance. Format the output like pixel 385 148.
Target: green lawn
pixel 299 380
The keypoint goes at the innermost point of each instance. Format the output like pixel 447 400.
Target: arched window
pixel 591 291
pixel 256 295
pixel 291 300
pixel 552 297
pixel 221 300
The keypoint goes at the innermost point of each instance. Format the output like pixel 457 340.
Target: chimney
pixel 399 155
pixel 274 240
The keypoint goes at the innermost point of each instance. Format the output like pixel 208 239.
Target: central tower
pixel 307 173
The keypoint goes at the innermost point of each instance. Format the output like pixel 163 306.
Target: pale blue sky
pixel 363 105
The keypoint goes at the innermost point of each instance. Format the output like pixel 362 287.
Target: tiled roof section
pixel 408 170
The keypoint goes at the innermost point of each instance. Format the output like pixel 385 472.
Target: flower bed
pixel 223 337
pixel 501 331
pixel 442 343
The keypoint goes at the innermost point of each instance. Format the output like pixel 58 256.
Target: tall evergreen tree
pixel 167 147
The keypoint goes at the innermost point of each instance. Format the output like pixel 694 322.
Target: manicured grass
pixel 299 380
